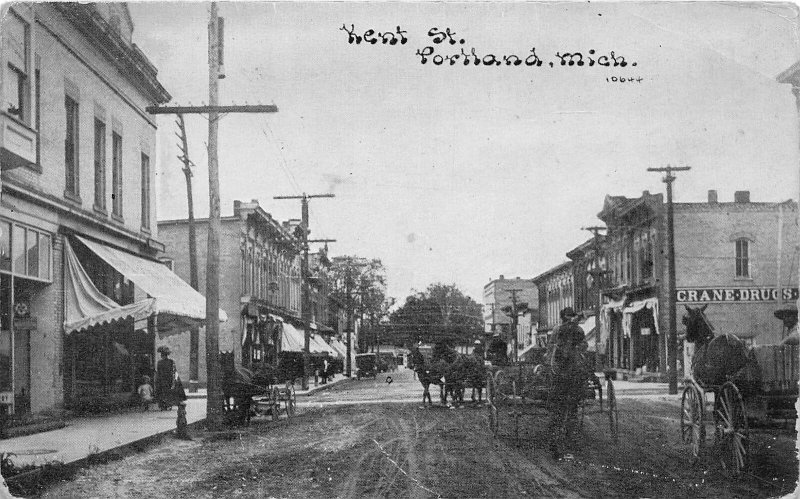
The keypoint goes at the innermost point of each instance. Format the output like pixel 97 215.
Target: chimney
pixel 712 197
pixel 741 196
pixel 237 205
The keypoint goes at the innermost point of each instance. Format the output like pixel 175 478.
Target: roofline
pixel 551 271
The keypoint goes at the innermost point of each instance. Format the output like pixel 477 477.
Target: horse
pixel 466 371
pixel 717 357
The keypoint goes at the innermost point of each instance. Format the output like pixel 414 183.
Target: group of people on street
pixel 168 387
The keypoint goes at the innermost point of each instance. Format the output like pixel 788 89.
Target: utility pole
pixel 194 332
pixel 598 279
pixel 672 339
pixel 214 409
pixel 304 274
pixel 514 320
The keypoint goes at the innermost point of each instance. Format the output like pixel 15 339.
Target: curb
pixel 312 391
pixel 34 479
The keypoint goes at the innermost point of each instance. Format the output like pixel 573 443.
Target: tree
pixel 360 284
pixel 442 313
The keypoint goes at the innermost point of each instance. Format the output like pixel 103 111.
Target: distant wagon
pixel 366 365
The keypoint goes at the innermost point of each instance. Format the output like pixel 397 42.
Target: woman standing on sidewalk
pixel 165 376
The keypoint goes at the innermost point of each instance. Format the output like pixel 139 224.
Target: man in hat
pixel 567 346
pixel 165 376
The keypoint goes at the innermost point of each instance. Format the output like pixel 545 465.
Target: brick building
pixel 260 285
pixel 732 256
pixel 496 295
pixel 588 270
pixel 81 293
pixel 556 292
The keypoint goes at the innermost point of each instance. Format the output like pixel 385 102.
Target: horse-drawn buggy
pixel 526 389
pixel 366 365
pixel 249 393
pixel 746 385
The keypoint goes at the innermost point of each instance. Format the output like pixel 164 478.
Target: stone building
pixel 81 292
pixel 260 284
pixel 739 258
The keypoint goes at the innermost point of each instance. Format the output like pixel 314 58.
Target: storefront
pixel 26 274
pixel 116 304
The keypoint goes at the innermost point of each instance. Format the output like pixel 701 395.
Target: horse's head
pixel 698 329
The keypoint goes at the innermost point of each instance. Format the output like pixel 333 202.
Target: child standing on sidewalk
pixel 145 391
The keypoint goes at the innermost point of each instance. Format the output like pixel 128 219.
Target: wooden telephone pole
pixel 194 332
pixel 304 275
pixel 598 279
pixel 672 339
pixel 515 319
pixel 214 409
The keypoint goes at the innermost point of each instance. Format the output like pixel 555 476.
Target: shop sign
pixel 733 295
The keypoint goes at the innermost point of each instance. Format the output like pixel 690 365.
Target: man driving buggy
pixel 566 355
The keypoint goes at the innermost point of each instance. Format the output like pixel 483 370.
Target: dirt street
pixel 372 439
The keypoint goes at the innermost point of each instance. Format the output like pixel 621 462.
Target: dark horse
pixel 717 358
pixel 452 372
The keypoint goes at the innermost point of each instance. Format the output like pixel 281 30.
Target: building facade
pixel 498 294
pixel 739 258
pixel 556 292
pixel 260 283
pixel 77 326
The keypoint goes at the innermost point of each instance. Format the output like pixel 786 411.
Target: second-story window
pixel 116 174
pixel 742 258
pixel 16 39
pixel 71 163
pixel 145 191
pixel 99 164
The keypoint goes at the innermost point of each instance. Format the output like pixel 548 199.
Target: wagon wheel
pixel 731 428
pixel 693 428
pixel 613 417
pixel 290 400
pixel 274 403
pixel 491 410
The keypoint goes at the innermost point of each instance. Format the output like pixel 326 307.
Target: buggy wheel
pixel 613 417
pixel 274 403
pixel 693 430
pixel 493 422
pixel 731 428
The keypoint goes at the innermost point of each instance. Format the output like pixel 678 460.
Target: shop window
pixel 5 246
pixel 742 258
pixel 18 249
pixel 16 38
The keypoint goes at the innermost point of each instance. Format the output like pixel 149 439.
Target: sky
pixel 459 174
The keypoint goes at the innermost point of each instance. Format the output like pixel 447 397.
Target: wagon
pixel 522 389
pixel 766 394
pixel 366 365
pixel 277 400
pixel 734 388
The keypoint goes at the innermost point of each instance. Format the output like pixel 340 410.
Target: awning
pixel 172 295
pixel 319 345
pixel 590 330
pixel 292 339
pixel 341 348
pixel 87 306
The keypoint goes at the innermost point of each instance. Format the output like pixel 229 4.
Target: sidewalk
pixel 91 435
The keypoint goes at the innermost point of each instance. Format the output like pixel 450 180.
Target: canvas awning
pixel 292 339
pixel 87 306
pixel 173 296
pixel 341 349
pixel 319 345
pixel 590 330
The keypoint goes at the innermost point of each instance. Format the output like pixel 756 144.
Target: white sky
pixel 459 174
